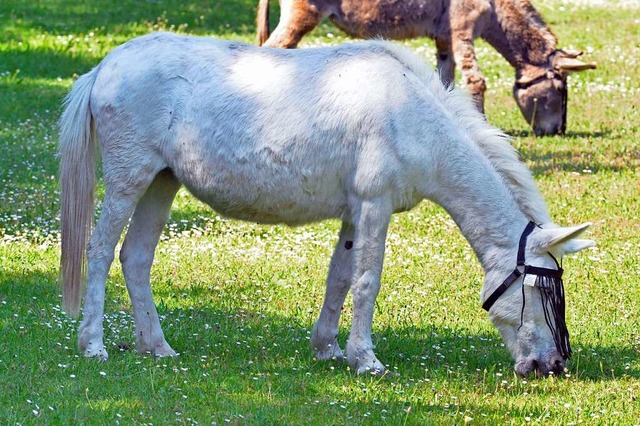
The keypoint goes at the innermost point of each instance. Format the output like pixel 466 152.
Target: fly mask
pixel 549 282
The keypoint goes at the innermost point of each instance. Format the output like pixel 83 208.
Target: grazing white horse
pixel 355 132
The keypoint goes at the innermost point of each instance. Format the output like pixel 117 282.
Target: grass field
pixel 238 300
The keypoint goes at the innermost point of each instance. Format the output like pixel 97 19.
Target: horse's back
pixel 269 135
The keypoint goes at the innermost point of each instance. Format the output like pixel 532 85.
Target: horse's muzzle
pixel 551 365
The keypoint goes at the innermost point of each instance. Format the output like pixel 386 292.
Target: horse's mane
pixel 494 143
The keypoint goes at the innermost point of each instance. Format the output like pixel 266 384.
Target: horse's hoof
pixel 99 353
pixel 163 350
pixel 375 369
pixel 165 353
pixel 331 352
pixel 367 364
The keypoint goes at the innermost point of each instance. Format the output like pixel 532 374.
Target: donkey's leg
pixel 467 21
pixel 465 56
pixel 446 64
pixel 324 337
pixel 297 18
pixel 137 255
pixel 371 225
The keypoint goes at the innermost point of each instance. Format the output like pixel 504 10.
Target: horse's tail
pixel 77 186
pixel 262 22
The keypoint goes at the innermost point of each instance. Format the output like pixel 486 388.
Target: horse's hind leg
pixel 136 256
pixel 117 207
pixel 324 337
pixel 371 225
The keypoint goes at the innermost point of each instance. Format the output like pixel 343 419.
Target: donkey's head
pixel 541 91
pixel 528 307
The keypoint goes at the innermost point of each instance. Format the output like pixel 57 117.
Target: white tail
pixel 77 186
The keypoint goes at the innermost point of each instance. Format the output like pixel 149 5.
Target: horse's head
pixel 541 91
pixel 528 308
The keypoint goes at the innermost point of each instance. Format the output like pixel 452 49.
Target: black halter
pixel 549 281
pixel 550 74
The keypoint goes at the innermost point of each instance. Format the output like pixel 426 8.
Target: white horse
pixel 355 132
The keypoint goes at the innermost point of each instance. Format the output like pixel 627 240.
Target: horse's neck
pixel 518 32
pixel 482 206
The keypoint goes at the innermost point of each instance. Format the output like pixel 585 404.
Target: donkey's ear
pixel 567 61
pixel 561 240
pixel 572 65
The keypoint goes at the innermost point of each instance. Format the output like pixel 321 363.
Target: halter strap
pixel 549 282
pixel 516 272
pixel 526 84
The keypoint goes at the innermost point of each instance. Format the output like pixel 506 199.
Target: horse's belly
pixel 286 196
pixel 294 209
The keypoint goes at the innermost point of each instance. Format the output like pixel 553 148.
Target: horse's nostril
pixel 559 365
pixel 556 365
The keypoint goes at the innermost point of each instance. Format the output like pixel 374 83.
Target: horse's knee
pixel 97 252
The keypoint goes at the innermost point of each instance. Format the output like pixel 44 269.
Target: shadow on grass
pixel 65 16
pixel 25 98
pixel 577 160
pixel 22 21
pixel 233 335
pixel 43 63
pixel 258 364
pixel 569 135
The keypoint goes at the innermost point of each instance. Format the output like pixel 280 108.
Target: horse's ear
pixel 576 245
pixel 567 61
pixel 561 241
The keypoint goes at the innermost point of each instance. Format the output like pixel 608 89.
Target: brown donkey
pixel 513 27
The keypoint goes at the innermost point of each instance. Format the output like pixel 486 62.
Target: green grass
pixel 238 300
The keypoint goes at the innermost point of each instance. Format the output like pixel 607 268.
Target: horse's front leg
pixel 371 225
pixel 324 337
pixel 136 257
